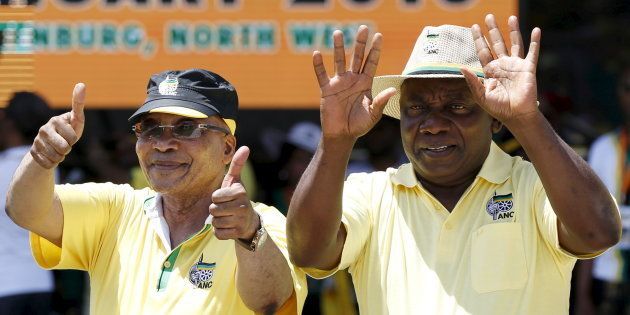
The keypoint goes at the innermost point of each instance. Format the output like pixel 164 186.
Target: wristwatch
pixel 259 239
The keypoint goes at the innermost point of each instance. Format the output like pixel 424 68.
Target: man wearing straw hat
pixel 463 228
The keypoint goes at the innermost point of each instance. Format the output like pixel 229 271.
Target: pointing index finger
pixel 498 45
pixel 485 56
pixel 515 38
pixel 320 70
pixel 339 52
pixel 359 49
pixel 534 46
pixel 373 56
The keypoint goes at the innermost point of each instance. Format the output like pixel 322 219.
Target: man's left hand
pixel 508 92
pixel 233 215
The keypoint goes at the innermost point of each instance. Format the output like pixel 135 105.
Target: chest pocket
pixel 498 258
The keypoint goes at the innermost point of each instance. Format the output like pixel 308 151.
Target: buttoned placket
pixel 154 210
pixel 447 237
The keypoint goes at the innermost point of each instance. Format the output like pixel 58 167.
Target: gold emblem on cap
pixel 168 86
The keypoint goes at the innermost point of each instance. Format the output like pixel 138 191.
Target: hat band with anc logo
pixel 440 68
pixel 440 52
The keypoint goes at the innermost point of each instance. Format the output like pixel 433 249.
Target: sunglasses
pixel 185 130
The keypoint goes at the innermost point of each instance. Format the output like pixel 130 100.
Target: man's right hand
pixel 56 138
pixel 315 234
pixel 347 107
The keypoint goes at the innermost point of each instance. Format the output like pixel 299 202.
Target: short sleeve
pixel 357 221
pixel 88 209
pixel 275 224
pixel 547 222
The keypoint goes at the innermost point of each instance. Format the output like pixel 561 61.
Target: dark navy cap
pixel 194 93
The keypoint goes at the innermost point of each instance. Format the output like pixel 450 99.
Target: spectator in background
pixel 24 287
pixel 377 150
pixel 295 154
pixel 603 284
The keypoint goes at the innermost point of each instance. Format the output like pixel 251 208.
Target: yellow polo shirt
pixel 497 252
pixel 119 236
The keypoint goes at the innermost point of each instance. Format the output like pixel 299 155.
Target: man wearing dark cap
pixel 193 243
pixel 463 228
pixel 25 288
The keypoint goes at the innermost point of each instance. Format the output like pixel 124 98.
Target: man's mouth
pixel 166 165
pixel 437 148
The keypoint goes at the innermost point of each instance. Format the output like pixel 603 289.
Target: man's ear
pixel 496 125
pixel 229 149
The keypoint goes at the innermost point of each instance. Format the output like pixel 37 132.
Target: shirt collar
pixel 153 206
pixel 405 176
pixel 496 169
pixel 153 210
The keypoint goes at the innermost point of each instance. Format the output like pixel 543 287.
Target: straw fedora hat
pixel 440 52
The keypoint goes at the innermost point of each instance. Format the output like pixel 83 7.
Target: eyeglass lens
pixel 152 129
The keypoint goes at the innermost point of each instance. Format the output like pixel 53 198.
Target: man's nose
pixel 165 141
pixel 434 123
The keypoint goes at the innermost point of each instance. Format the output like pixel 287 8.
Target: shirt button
pixel 448 226
pixel 167 264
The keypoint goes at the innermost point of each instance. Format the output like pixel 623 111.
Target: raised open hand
pixel 508 92
pixel 56 138
pixel 347 107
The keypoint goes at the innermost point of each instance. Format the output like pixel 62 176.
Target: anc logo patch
pixel 168 86
pixel 201 273
pixel 430 45
pixel 500 207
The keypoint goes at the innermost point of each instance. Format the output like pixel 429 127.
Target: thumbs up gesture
pixel 233 215
pixel 56 138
